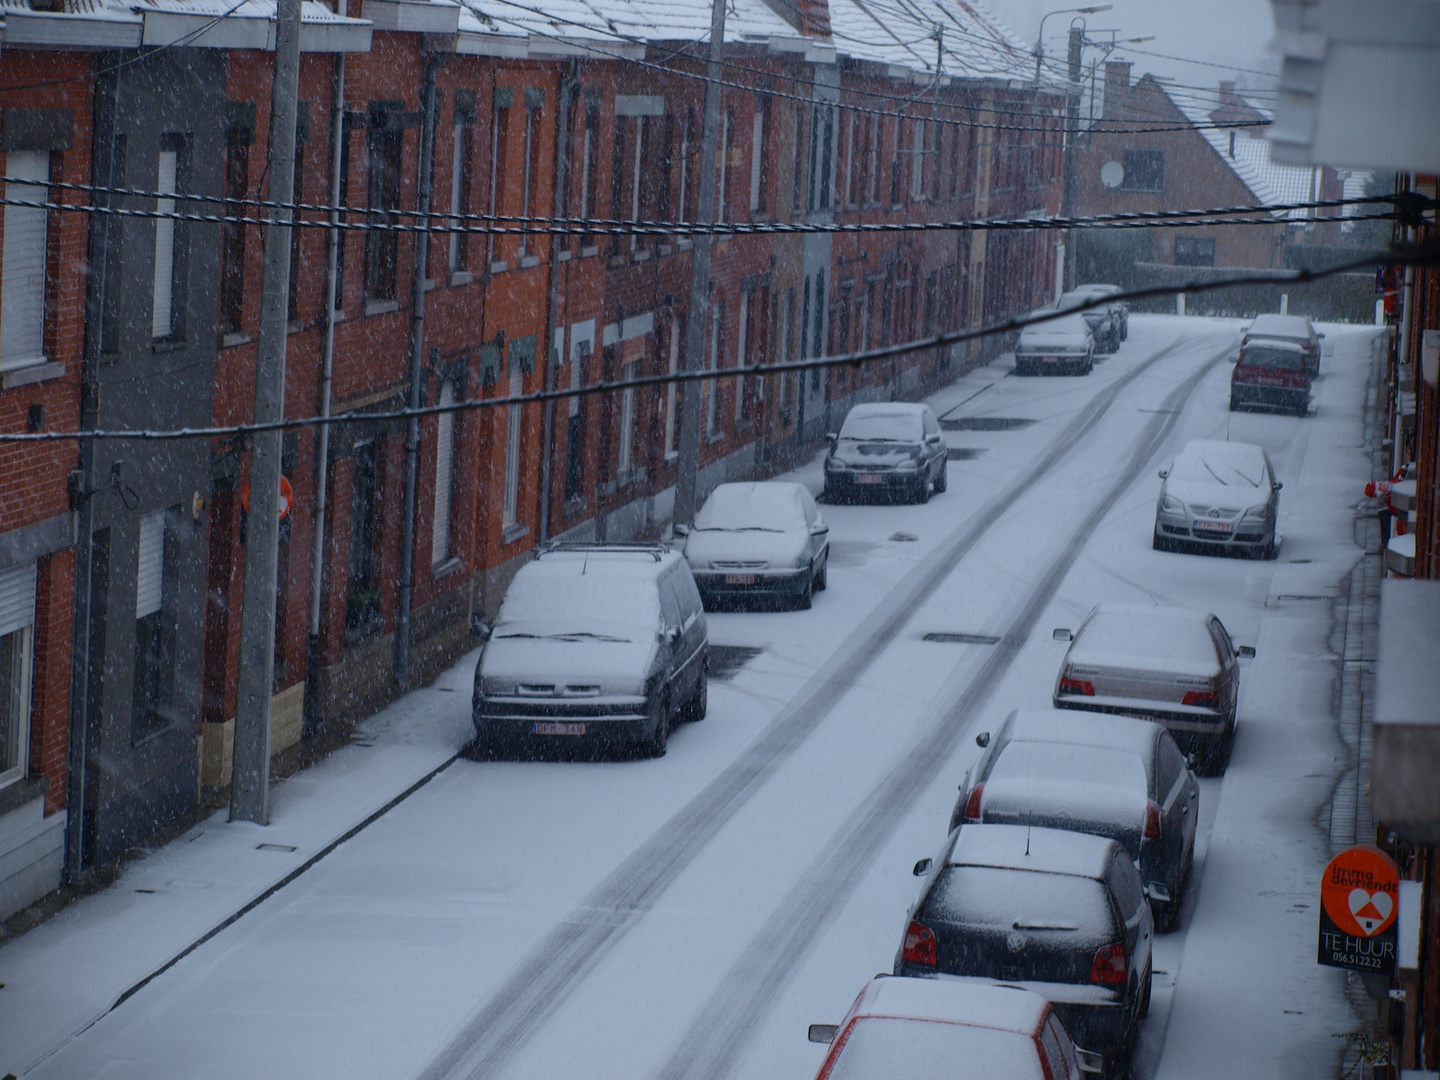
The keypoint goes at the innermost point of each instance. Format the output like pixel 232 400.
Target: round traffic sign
pixel 1360 891
pixel 287 495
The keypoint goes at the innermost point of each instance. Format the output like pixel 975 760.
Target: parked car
pixel 1271 374
pixel 1063 345
pixel 1108 775
pixel 1218 496
pixel 1119 309
pixel 765 539
pixel 1103 322
pixel 1060 913
pixel 886 448
pixel 1174 666
pixel 593 641
pixel 1295 329
pixel 921 1029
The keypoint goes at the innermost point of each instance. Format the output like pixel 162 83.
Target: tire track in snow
pixel 734 1014
pixel 552 970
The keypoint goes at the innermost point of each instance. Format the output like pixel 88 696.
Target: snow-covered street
pixel 688 916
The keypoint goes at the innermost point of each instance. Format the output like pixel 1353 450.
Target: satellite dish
pixel 1112 174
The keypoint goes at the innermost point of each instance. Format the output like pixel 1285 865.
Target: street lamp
pixel 1093 9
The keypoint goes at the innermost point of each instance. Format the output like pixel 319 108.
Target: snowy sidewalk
pixel 62 976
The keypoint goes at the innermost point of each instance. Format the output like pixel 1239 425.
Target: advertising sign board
pixel 1359 895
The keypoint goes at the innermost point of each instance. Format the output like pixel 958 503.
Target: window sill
pixel 461 277
pixel 672 455
pixel 587 252
pixel 639 256
pixel 563 256
pixel 664 249
pixel 23 789
pixel 616 260
pixel 572 506
pixel 168 345
pixel 630 479
pixel 499 266
pixel 445 569
pixel 714 437
pixel 237 337
pixel 32 373
pixel 294 326
pixel 684 245
pixel 514 532
pixel 527 261
pixel 429 284
pixel 381 307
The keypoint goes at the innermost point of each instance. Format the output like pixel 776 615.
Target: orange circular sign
pixel 286 497
pixel 1360 891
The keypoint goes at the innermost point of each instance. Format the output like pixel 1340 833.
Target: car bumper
pixel 1269 397
pixel 1050 360
pixel 1245 534
pixel 851 483
pixel 1175 721
pixel 722 583
pixel 1096 1018
pixel 606 720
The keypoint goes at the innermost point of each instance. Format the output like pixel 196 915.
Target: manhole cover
pixel 274 847
pixel 945 637
pixel 726 660
pixel 903 536
pixel 965 453
pixel 986 423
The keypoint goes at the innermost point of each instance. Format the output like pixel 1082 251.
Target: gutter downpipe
pixel 417 371
pixel 313 722
pixel 1407 295
pixel 568 85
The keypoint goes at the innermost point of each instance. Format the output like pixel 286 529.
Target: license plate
pixel 739 579
pixel 868 479
pixel 1139 715
pixel 546 728
pixel 1203 525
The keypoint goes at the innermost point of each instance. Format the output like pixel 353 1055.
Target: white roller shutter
pixel 161 309
pixel 22 262
pixel 17 598
pixel 444 464
pixel 150 574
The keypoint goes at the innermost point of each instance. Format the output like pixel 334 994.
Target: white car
pixel 1119 310
pixel 1062 345
pixel 762 539
pixel 1218 496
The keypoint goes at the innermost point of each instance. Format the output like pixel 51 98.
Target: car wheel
pixel 1234 405
pixel 922 493
pixel 1216 756
pixel 822 579
pixel 808 591
pixel 1270 550
pixel 1145 992
pixel 1159 543
pixel 658 740
pixel 1116 1064
pixel 942 479
pixel 1167 916
pixel 699 702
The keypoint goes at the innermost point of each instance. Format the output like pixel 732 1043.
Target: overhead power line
pixel 1400 254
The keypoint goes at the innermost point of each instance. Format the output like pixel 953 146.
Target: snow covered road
pixel 688 916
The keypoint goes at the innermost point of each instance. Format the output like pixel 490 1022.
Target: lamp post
pixel 1093 9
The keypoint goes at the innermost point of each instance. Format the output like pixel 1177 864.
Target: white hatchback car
pixel 1218 496
pixel 759 539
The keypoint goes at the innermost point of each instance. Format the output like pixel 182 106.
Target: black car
pixel 891 448
pixel 1109 775
pixel 1060 913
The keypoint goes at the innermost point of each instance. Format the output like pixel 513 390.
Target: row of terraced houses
pixel 121 560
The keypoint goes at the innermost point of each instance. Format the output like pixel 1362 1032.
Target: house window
pixel 822 146
pixel 513 418
pixel 297 190
pixel 163 306
pixel 444 476
pixel 575 429
pixel 720 184
pixel 17 635
pixel 461 164
pixel 742 357
pixel 362 607
pixel 671 391
pixel 636 166
pixel 628 372
pixel 382 246
pixel 757 160
pixel 22 261
pixel 589 170
pixel 818 341
pixel 1144 170
pixel 712 387
pixel 1194 251
pixel 917 161
pixel 797 162
pixel 534 103
pixel 687 140
pixel 151 711
pixel 232 233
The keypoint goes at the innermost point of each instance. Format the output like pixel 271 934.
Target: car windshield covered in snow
pixel 865 425
pixel 1211 466
pixel 1065 326
pixel 881 1046
pixel 759 507
pixel 599 605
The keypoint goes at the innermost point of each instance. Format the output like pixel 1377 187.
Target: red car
pixel 929 1029
pixel 1271 374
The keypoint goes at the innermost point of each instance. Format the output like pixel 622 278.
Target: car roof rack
pixel 655 550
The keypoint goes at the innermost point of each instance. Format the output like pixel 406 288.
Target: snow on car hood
pixel 779 549
pixel 614 657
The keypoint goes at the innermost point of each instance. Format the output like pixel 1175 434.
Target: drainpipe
pixel 417 372
pixel 313 720
pixel 568 86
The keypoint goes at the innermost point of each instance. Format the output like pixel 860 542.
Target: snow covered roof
pixel 974 44
pixel 1008 1008
pixel 193 23
pixel 1023 847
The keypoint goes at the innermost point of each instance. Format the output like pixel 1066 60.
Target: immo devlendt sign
pixel 1358 897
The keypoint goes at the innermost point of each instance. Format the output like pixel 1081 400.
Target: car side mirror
pixel 983 739
pixel 1061 634
pixel 832 437
pixel 819 529
pixel 1278 485
pixel 1245 652
pixel 479 628
pixel 922 867
pixel 1164 473
pixel 681 531
pixel 823 1033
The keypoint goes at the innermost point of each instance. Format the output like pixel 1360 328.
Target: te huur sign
pixel 1359 895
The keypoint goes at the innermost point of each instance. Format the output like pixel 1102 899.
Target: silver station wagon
pixel 1172 665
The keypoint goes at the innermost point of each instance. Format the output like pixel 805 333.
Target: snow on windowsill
pixel 31 371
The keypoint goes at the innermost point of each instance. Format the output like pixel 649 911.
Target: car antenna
pixel 1027 839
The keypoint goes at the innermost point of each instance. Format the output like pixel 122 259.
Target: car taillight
pixel 972 803
pixel 1077 686
pixel 1110 965
pixel 1206 699
pixel 1152 820
pixel 920 945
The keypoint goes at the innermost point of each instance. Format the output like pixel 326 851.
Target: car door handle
pixel 1185 809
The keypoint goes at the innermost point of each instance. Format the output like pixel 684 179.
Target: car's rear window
pixel 999 897
pixel 1041 761
pixel 879 1046
pixel 897 425
pixel 1269 357
pixel 1135 635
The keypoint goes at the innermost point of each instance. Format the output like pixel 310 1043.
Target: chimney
pixel 1117 86
pixel 1227 91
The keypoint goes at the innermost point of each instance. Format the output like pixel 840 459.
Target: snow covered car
pixel 1063 345
pixel 1108 775
pixel 1119 309
pixel 1174 666
pixel 886 448
pixel 764 539
pixel 594 641
pixel 1060 913
pixel 921 1028
pixel 1295 329
pixel 1218 496
pixel 1271 375
pixel 1104 323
